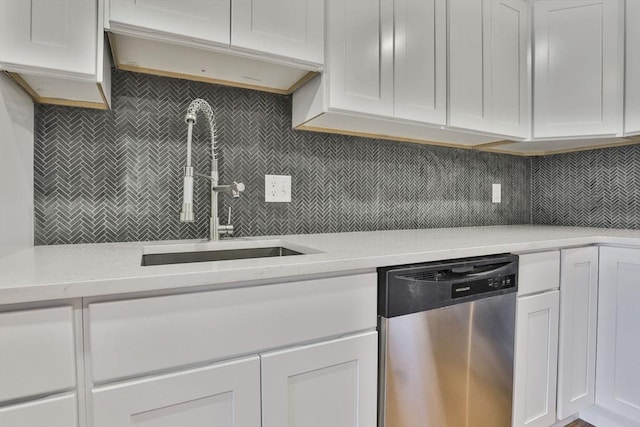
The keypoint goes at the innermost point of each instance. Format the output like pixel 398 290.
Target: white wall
pixel 16 168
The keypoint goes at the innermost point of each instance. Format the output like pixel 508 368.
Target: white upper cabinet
pixel 55 35
pixel 360 55
pixel 488 86
pixel 577 68
pixel 289 28
pixel 618 362
pixel 385 74
pixel 420 65
pixel 578 329
pixel 632 82
pixel 55 50
pixel 269 45
pixel 204 20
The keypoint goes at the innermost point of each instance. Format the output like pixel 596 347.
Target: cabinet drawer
pixel 134 337
pixel 60 411
pixel 538 272
pixel 37 353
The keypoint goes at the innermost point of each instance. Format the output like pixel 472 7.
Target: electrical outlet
pixel 277 188
pixel 496 193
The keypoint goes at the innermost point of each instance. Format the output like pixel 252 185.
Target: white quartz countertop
pixel 71 271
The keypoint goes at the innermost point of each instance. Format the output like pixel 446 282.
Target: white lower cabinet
pixel 239 357
pixel 331 383
pixel 223 395
pixel 618 362
pixel 322 385
pixel 536 358
pixel 578 328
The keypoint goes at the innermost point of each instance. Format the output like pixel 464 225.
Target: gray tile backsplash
pixel 597 188
pixel 104 176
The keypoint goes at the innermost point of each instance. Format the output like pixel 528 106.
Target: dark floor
pixel 579 423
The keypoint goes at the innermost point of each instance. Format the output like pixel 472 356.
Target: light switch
pixel 496 194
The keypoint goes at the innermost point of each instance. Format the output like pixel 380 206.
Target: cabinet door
pixel 420 60
pixel 222 395
pixel 469 54
pixel 202 20
pixel 488 89
pixel 618 363
pixel 332 383
pixel 59 35
pixel 536 359
pixel 290 28
pixel 510 100
pixel 632 82
pixel 359 62
pixel 577 71
pixel 578 323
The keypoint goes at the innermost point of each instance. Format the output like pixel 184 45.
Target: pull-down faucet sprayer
pixel 186 215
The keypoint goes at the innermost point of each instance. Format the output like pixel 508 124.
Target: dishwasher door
pixel 449 367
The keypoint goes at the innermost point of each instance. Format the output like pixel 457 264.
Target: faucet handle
pixel 237 188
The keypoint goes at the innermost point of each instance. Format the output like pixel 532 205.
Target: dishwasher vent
pixel 431 276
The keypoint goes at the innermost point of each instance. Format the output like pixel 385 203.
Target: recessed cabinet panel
pixel 536 358
pixel 222 395
pixel 576 68
pixel 331 383
pixel 632 77
pixel 578 324
pixel 618 372
pixel 203 20
pixel 290 28
pixel 509 100
pixel 468 64
pixel 360 56
pixel 58 35
pixel 420 60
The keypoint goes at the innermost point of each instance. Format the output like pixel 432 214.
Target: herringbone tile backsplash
pixel 103 176
pixel 597 188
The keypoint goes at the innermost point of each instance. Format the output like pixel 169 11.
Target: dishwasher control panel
pixel 482 286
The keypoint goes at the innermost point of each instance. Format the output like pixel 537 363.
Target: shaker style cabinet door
pixel 488 89
pixel 577 71
pixel 359 62
pixel 331 383
pixel 288 28
pixel 632 75
pixel 226 394
pixel 536 360
pixel 578 329
pixel 202 20
pixel 420 66
pixel 618 362
pixel 53 35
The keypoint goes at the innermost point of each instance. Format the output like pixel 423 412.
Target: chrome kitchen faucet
pixel 186 215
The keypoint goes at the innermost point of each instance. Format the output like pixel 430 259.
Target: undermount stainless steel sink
pixel 221 251
pixel 219 255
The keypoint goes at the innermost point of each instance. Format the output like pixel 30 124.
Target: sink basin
pixel 220 251
pixel 219 255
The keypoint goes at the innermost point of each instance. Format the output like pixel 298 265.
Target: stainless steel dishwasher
pixel 446 343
